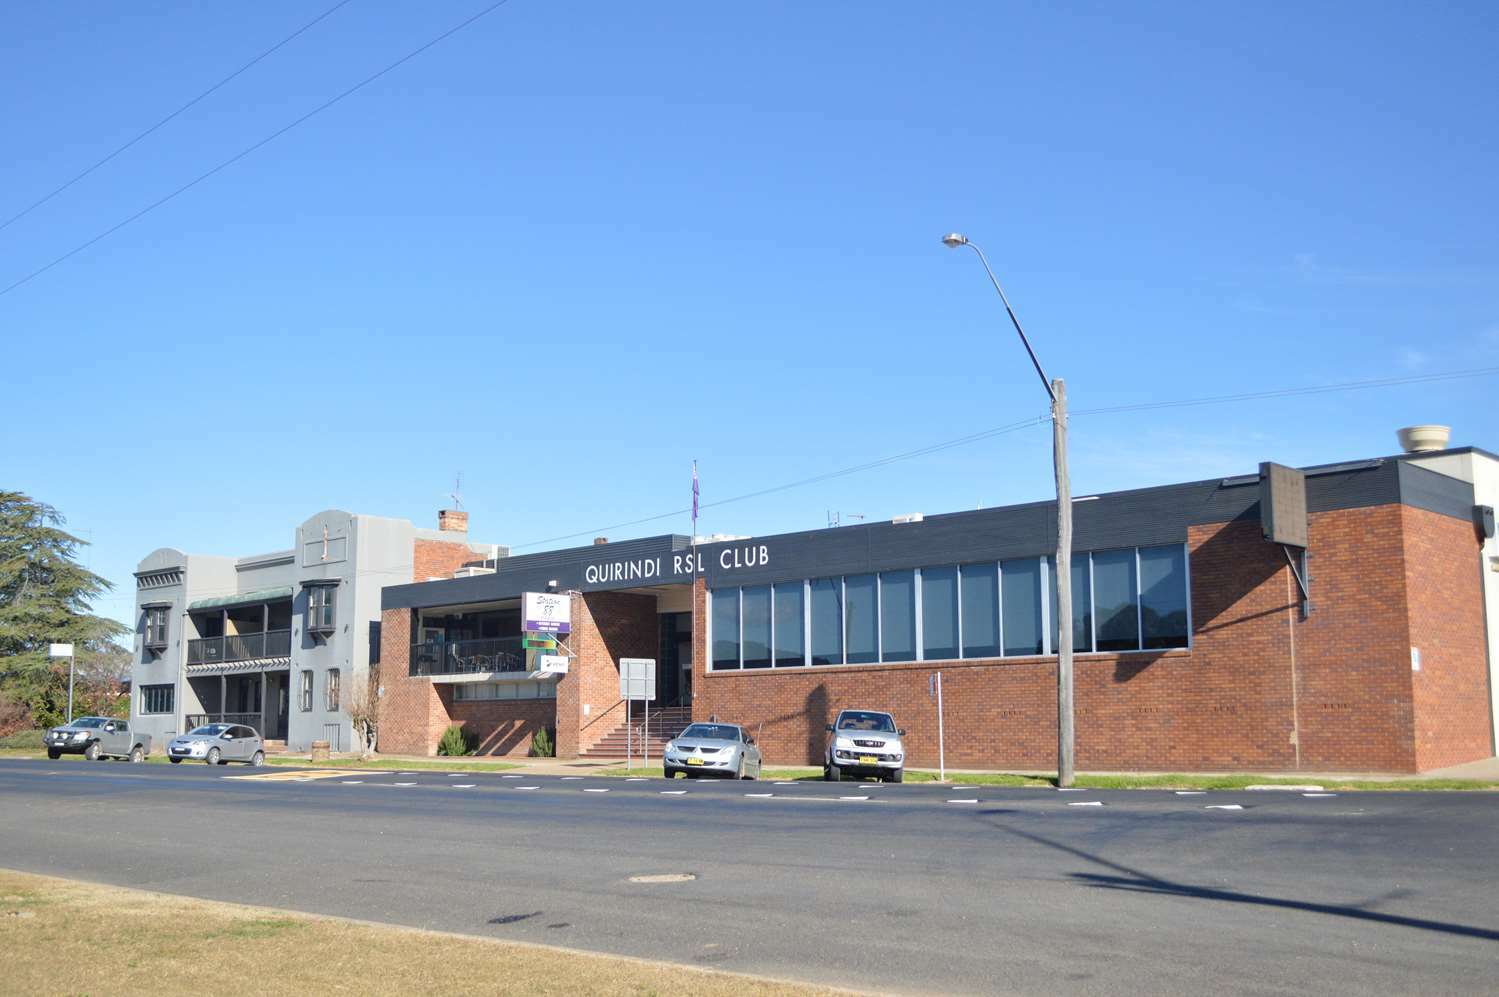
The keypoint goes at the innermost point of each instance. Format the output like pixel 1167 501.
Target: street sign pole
pixel 71 659
pixel 934 685
pixel 629 732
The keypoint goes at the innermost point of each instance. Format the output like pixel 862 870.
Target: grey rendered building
pixel 280 641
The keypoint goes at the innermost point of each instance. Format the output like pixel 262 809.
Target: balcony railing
pixel 248 719
pixel 465 657
pixel 239 647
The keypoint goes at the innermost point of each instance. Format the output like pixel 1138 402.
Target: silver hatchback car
pixel 864 743
pixel 218 744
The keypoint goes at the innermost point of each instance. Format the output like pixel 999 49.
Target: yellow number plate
pixel 868 760
pixel 694 761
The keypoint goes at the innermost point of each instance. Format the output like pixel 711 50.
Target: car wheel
pixel 92 752
pixel 832 774
pixel 54 754
pixel 175 761
pixel 257 759
pixel 137 755
pixel 215 757
pixel 899 775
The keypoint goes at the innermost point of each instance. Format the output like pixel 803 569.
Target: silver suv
pixel 866 744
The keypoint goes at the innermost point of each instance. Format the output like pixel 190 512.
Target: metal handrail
pixel 467 657
pixel 239 647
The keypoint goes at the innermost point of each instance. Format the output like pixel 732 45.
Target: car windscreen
pixel 860 720
pixel 89 722
pixel 715 732
pixel 210 730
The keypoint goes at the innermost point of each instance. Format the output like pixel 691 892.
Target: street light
pixel 1063 580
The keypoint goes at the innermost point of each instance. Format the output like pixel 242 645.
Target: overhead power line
pixel 206 93
pixel 984 434
pixel 225 164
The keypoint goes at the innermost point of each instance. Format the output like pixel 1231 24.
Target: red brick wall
pixel 606 626
pixel 439 558
pixel 503 726
pixel 1451 691
pixel 1257 680
pixel 1352 653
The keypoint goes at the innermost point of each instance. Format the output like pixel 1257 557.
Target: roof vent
pixel 1421 439
pixel 910 517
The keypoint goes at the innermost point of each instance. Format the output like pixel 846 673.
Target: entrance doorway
pixel 674 661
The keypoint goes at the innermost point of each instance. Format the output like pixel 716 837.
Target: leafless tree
pixel 364 711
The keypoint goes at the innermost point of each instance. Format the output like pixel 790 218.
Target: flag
pixel 694 498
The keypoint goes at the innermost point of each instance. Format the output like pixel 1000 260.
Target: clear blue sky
pixel 579 244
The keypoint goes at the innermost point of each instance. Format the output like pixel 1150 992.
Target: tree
pixel 364 711
pixel 45 597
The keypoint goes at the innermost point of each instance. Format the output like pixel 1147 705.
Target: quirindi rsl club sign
pixel 676 567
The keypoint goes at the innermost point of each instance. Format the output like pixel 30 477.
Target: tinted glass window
pixel 1082 604
pixel 827 621
pixel 1021 602
pixel 725 629
pixel 898 616
pixel 980 592
pixel 861 624
pixel 1114 600
pixel 756 626
pixel 1163 595
pixel 939 613
pixel 790 625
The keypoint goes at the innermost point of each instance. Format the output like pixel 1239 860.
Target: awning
pixel 240 667
pixel 243 598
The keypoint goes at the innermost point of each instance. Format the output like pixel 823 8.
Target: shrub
pixel 14 717
pixel 29 739
pixel 541 744
pixel 455 741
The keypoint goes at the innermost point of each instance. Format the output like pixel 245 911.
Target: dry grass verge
pixel 60 936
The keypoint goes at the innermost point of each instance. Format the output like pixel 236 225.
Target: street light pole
pixel 1057 390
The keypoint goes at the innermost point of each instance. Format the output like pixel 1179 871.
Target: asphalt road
pixel 907 888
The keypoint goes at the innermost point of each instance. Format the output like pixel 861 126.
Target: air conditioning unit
pixel 910 517
pixel 470 572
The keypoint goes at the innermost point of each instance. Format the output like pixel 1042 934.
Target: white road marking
pixel 759 796
pixel 962 801
pixel 512 777
pixel 595 790
pixel 405 784
pixel 352 782
pixel 637 778
pixel 869 785
pixel 1191 792
pixel 673 792
pixel 1223 806
pixel 1071 789
pixel 1087 803
pixel 519 788
pixel 569 778
pixel 462 785
pixel 455 775
pixel 1274 788
pixel 405 773
pixel 783 784
pixel 853 797
pixel 1318 796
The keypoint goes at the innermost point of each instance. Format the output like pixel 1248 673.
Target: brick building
pixel 1195 649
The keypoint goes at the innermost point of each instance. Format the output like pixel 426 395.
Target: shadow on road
pixel 1135 881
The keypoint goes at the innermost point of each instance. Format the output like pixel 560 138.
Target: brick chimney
pixel 452 520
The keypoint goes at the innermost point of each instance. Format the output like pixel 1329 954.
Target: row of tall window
pixel 1130 599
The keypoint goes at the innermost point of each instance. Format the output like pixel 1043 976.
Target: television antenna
pixel 456 493
pixel 836 518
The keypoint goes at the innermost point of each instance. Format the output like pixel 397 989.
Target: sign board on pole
pixel 59 650
pixel 547 612
pixel 637 678
pixel 551 664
